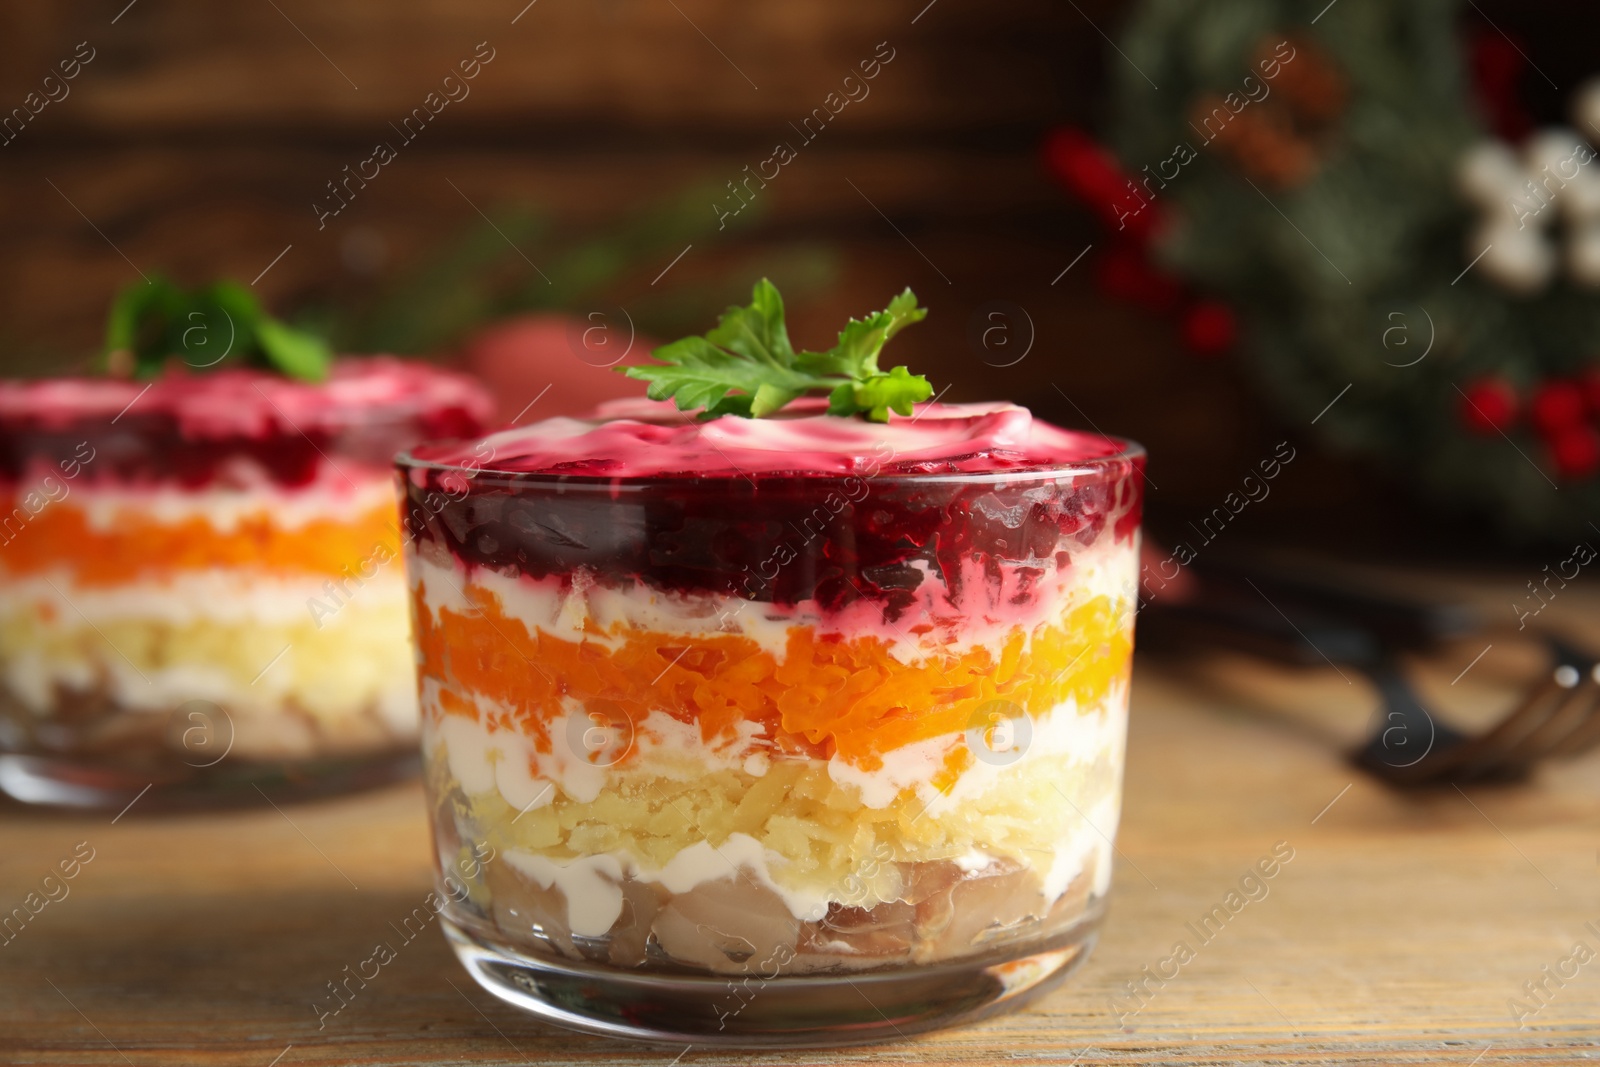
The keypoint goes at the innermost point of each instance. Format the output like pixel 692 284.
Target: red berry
pixel 1489 406
pixel 1589 382
pixel 1575 451
pixel 1093 175
pixel 1210 328
pixel 1126 274
pixel 1557 405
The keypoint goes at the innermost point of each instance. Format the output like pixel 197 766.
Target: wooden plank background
pixel 198 137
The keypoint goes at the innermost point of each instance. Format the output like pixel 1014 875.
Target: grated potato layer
pixel 827 838
pixel 359 659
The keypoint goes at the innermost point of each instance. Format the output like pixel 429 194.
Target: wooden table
pixel 1398 933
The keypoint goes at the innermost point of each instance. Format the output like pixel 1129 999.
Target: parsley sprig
pixel 746 365
pixel 156 322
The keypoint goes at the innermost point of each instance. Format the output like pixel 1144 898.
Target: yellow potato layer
pixel 358 660
pixel 827 838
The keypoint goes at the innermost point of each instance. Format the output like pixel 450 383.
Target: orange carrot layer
pixel 136 547
pixel 828 696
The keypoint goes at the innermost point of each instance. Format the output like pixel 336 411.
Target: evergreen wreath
pixel 1426 291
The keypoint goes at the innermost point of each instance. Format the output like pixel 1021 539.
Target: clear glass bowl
pixel 200 587
pixel 792 760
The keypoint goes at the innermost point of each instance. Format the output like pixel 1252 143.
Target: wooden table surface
pixel 1400 932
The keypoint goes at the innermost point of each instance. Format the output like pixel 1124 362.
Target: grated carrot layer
pixel 827 696
pixel 139 547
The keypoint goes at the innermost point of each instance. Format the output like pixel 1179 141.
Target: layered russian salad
pixel 198 567
pixel 791 695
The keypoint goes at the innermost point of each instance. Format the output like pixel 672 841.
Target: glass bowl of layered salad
pixel 804 728
pixel 200 586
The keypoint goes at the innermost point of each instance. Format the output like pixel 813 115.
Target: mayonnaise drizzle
pixel 643 439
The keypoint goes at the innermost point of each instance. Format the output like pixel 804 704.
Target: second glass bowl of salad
pixel 200 586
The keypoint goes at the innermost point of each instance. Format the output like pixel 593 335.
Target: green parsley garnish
pixel 153 323
pixel 747 367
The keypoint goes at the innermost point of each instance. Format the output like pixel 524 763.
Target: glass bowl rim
pixel 1128 454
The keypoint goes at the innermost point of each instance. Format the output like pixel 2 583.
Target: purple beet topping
pixel 151 449
pixel 193 429
pixel 774 539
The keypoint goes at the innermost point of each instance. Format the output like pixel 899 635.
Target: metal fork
pixel 1242 606
pixel 1558 717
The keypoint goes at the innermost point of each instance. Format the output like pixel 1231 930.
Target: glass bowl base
pixel 65 782
pixel 788 1011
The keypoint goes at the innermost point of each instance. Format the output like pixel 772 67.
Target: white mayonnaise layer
pixel 483 756
pixel 593 890
pixel 582 751
pixel 1063 734
pixel 223 595
pixel 331 495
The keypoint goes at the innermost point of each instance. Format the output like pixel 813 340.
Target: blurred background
pixel 593 161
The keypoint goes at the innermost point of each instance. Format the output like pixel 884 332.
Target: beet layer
pixel 781 540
